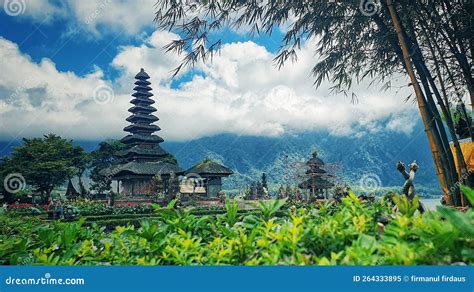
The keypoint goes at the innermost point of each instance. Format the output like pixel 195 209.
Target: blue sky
pixel 68 67
pixel 81 55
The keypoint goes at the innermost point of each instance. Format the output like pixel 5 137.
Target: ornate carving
pixel 408 188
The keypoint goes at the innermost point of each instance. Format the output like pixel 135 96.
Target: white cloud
pixel 149 54
pixel 98 18
pixel 37 99
pixel 403 122
pixel 239 92
pixel 42 11
pixel 88 18
pixel 128 16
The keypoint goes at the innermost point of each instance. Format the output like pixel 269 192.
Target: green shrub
pixel 96 208
pixel 349 233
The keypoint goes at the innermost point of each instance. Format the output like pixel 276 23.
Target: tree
pixel 169 158
pixel 281 192
pixel 259 190
pixel 7 168
pixel 264 181
pixel 101 159
pixel 44 163
pixel 81 163
pixel 429 41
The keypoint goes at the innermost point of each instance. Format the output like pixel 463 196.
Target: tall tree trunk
pixel 424 112
pixel 463 171
pixel 455 86
pixel 428 81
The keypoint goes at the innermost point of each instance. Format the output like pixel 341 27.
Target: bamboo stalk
pixel 420 101
pixel 428 81
pixel 462 167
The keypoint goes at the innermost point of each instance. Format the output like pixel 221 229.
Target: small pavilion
pixel 317 179
pixel 210 174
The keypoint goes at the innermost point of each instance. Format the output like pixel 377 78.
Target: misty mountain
pixel 249 156
pixel 360 155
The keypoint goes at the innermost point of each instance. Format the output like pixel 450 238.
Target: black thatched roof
pixel 142 87
pixel 208 167
pixel 142 75
pixel 315 160
pixel 143 156
pixel 142 168
pixel 142 82
pixel 155 151
pixel 142 109
pixel 316 183
pixel 141 117
pixel 137 128
pixel 142 94
pixel 314 165
pixel 138 138
pixel 313 170
pixel 142 101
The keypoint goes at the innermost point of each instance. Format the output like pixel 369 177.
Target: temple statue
pixel 408 188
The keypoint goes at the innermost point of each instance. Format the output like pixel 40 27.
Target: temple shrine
pixel 318 180
pixel 144 158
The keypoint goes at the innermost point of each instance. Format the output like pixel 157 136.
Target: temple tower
pixel 143 157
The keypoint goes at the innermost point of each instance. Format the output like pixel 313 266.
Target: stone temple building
pixel 144 158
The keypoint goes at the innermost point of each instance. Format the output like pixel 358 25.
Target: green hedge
pixel 213 212
pixel 348 233
pixel 111 224
pixel 117 217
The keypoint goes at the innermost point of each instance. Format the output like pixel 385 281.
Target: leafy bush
pixel 94 208
pixel 26 209
pixel 349 233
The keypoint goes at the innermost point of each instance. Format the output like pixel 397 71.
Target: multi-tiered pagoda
pixel 143 158
pixel 317 179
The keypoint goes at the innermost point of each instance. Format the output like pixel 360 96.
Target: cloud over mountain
pixel 239 92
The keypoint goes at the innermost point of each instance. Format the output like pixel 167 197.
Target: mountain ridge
pixel 250 156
